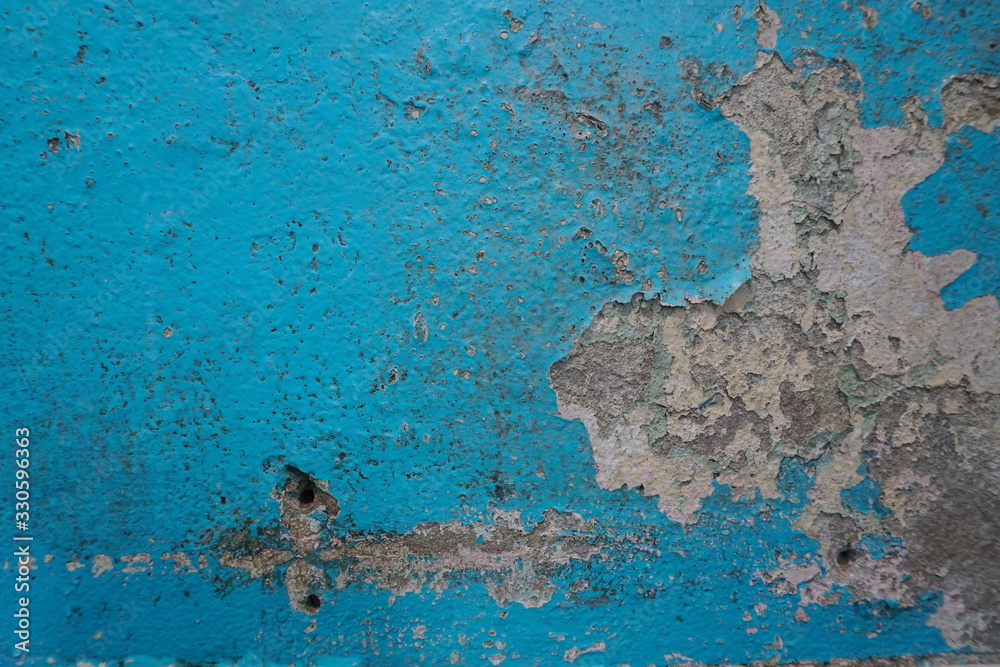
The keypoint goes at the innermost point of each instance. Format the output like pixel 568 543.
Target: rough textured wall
pixel 603 333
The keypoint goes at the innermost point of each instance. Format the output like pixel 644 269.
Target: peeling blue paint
pixel 911 51
pixel 353 238
pixel 957 207
pixel 864 497
pixel 878 546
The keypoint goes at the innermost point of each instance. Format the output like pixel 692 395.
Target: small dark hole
pixel 306 497
pixel 847 556
pixel 313 601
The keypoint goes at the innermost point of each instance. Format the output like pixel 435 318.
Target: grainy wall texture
pixel 465 333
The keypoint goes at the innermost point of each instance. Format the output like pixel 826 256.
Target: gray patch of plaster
pixel 435 555
pixel 839 351
pixel 768 24
pixel 971 99
pixel 942 483
pixel 516 561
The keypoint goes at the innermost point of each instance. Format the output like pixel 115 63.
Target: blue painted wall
pixel 352 238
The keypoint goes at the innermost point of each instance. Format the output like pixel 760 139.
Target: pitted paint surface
pixel 543 333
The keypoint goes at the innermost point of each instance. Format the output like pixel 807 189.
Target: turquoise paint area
pixel 674 590
pixel 880 546
pixel 910 52
pixel 353 238
pixel 958 207
pixel 863 497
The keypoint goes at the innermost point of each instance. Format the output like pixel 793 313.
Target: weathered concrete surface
pixel 368 333
pixel 839 354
